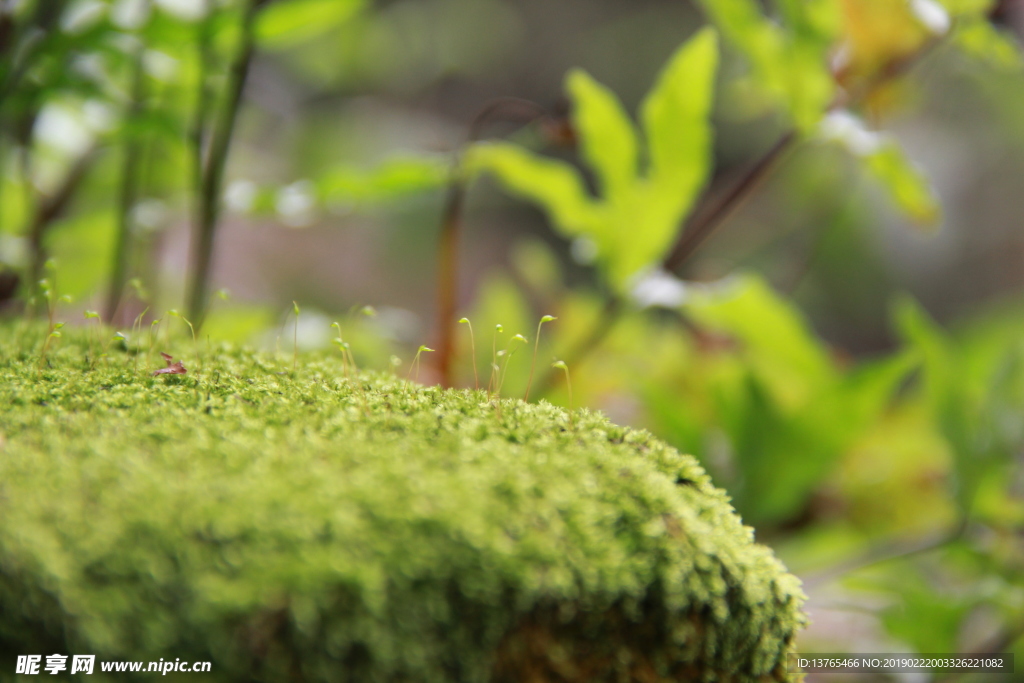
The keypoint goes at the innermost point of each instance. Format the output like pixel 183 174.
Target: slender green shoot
pixel 195 344
pixel 295 339
pixel 416 362
pixel 536 345
pixel 509 352
pixel 560 365
pixel 92 315
pixel 54 334
pixel 117 337
pixel 498 329
pixel 346 353
pixel 472 344
pixel 46 291
pixel 351 356
pixel 342 346
pixel 153 330
pixel 137 336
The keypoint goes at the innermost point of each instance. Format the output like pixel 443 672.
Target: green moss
pixel 314 528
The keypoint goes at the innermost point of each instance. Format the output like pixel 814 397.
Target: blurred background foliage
pixel 844 351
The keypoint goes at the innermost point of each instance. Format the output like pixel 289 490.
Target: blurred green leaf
pixel 634 222
pixel 927 618
pixel 921 333
pixel 979 38
pixel 788 410
pixel 676 115
pixel 905 182
pixel 286 23
pixel 885 160
pixel 606 135
pixel 83 246
pixel 776 338
pixel 973 8
pixel 789 59
pixel 391 179
pixel 238 323
pixel 553 184
pixel 976 394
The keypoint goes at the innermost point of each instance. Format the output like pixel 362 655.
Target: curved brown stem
pixel 705 223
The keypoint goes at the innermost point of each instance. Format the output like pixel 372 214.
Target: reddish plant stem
pixel 506 108
pixel 702 227
pixel 447 283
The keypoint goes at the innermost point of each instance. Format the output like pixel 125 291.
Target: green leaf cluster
pixel 645 190
pixel 787 57
pixel 789 409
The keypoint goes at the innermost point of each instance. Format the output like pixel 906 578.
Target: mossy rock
pixel 316 528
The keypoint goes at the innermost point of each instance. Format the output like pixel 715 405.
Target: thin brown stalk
pixel 505 108
pixel 715 215
pixel 447 276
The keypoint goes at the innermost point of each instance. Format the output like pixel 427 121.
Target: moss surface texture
pixel 309 527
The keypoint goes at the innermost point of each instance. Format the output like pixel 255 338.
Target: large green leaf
pixel 607 137
pixel 789 60
pixel 291 22
pixel 775 335
pixel 885 160
pixel 795 411
pixel 979 38
pixel 553 184
pixel 675 116
pixel 634 221
pixel 905 183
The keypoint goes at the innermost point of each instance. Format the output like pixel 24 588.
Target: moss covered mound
pixel 314 528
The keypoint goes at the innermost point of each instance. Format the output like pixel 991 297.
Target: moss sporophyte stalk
pixel 312 528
